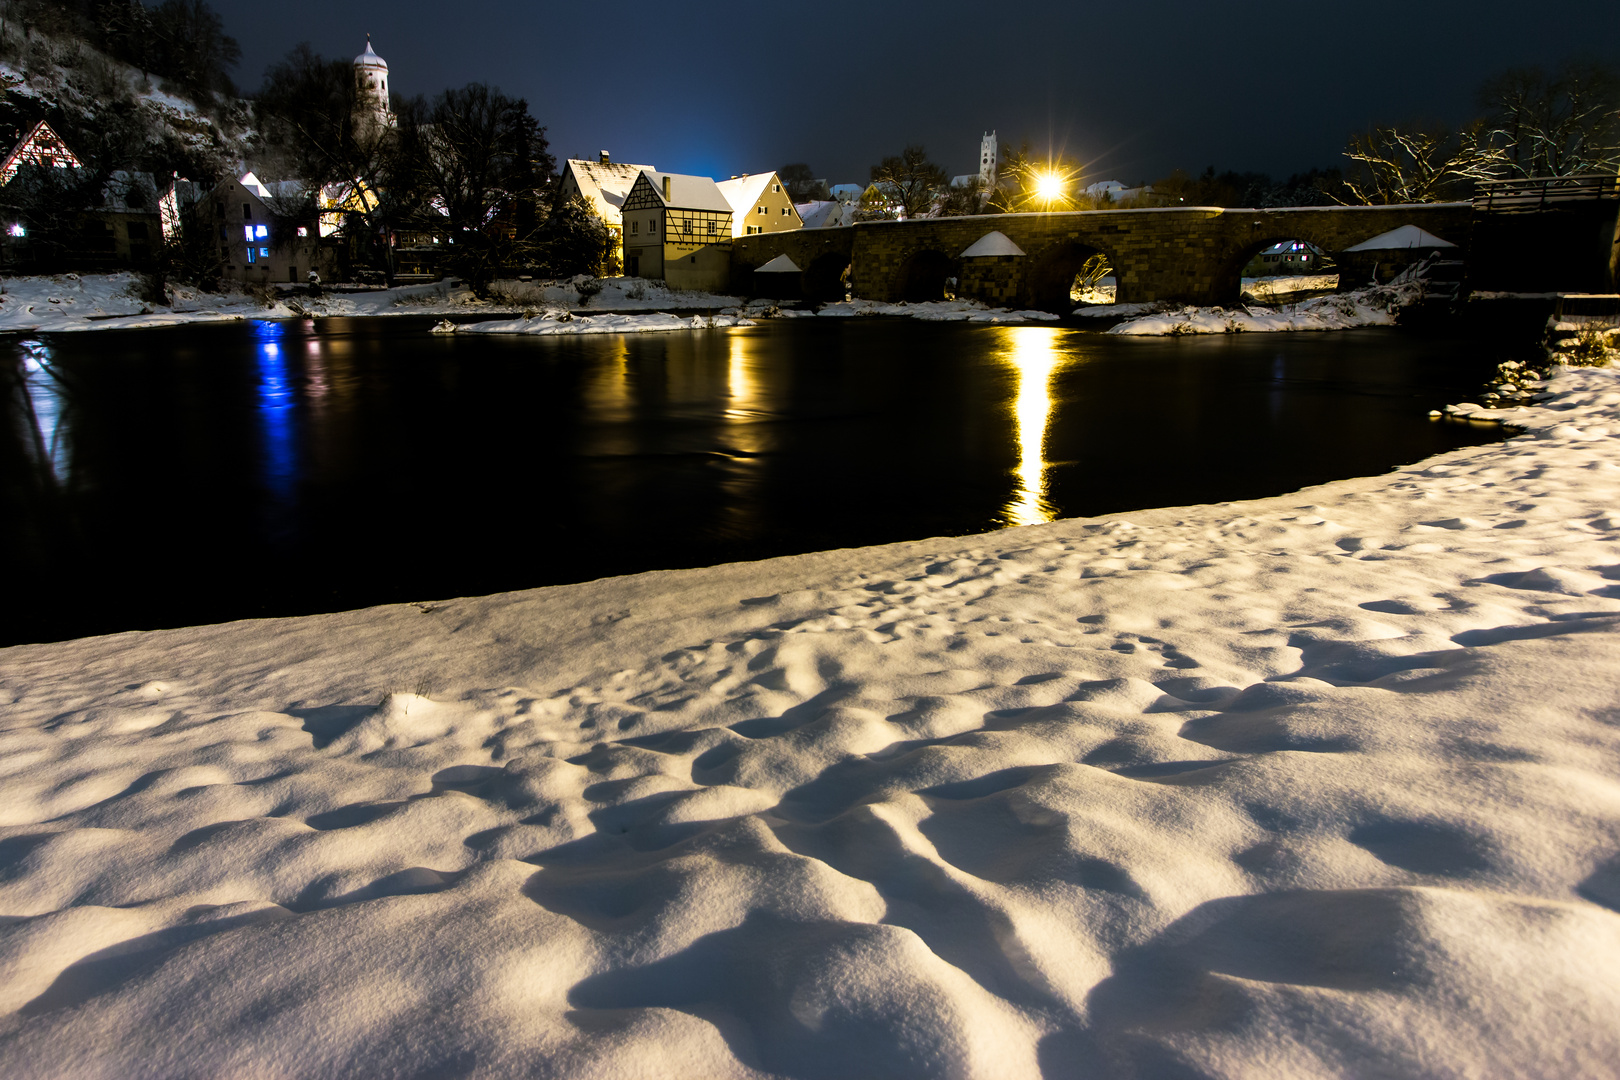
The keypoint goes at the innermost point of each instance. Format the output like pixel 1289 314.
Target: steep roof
pixel 604 184
pixel 993 242
pixel 742 192
pixel 779 265
pixel 815 214
pixel 1405 237
pixel 41 145
pixel 688 192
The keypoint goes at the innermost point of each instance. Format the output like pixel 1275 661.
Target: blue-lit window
pixel 264 253
pixel 248 230
pixel 250 254
pixel 261 232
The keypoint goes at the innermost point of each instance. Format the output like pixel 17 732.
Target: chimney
pixel 604 154
pixel 666 189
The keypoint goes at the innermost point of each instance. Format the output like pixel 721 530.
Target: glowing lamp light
pixel 1049 187
pixel 17 230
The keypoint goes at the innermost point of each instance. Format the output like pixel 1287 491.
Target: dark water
pixel 166 477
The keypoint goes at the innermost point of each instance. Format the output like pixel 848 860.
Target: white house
pixel 603 184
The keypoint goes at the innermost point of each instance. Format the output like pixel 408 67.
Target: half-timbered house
pixel 678 229
pixel 39 145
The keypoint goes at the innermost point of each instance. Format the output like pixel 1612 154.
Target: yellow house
pixel 759 204
pixel 678 229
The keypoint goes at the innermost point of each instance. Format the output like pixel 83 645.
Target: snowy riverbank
pixel 1377 305
pixel 1319 785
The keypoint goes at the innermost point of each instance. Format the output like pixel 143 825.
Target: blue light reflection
pixel 278 418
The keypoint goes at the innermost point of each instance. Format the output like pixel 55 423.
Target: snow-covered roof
pixel 688 192
pixel 1407 236
pixel 1104 185
pixel 742 192
pixel 604 184
pixel 815 214
pixel 847 192
pixel 254 185
pixel 370 59
pixel 993 242
pixel 779 265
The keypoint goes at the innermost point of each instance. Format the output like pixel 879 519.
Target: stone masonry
pixel 1192 255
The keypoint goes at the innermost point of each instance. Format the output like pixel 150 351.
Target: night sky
pixel 1132 90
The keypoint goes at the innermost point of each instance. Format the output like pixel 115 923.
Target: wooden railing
pixel 1542 192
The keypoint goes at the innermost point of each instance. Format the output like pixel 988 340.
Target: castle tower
pixel 371 91
pixel 989 153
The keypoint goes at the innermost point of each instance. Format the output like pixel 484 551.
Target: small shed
pixel 778 279
pixel 1388 254
pixel 992 270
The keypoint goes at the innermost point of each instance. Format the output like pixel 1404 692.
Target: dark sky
pixel 1131 89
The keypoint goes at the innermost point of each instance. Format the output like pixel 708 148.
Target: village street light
pixel 1049 187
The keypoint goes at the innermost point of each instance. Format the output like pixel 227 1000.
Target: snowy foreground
pixel 1319 785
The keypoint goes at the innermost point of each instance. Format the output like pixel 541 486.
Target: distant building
pixel 265 232
pixel 39 145
pixel 825 213
pixel 372 112
pixel 603 184
pixel 678 229
pixel 759 204
pixel 847 193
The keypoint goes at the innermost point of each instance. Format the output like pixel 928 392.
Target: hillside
pixel 113 115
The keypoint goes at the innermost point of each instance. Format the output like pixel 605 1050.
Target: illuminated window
pixel 17 230
pixel 250 254
pixel 303 231
pixel 264 253
pixel 261 231
pixel 248 229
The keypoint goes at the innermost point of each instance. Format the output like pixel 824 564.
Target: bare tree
pixel 1424 164
pixel 478 161
pixel 1555 124
pixel 910 179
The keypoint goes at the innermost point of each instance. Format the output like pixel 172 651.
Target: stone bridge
pixel 1191 255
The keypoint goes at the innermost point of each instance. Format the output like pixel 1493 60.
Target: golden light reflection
pixel 739 383
pixel 1032 352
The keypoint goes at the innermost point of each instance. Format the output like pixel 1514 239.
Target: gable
pixel 40 146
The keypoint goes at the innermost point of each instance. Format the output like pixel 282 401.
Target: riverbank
pixel 1315 785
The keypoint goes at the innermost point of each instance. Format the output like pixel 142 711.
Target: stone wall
pixel 1189 255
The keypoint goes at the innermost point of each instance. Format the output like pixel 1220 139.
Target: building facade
pixel 265 232
pixel 760 203
pixel 678 229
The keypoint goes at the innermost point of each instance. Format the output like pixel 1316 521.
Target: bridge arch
pixel 1051 271
pixel 923 274
pixel 1228 285
pixel 824 279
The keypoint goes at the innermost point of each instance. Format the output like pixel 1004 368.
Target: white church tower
pixel 371 109
pixel 989 153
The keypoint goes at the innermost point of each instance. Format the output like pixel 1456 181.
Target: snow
pixel 1310 786
pixel 1404 238
pixel 936 311
pixel 73 302
pixel 779 265
pixel 992 243
pixel 1375 305
pixel 551 324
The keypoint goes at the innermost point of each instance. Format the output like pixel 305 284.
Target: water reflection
pixel 1032 352
pixel 44 403
pixel 277 416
